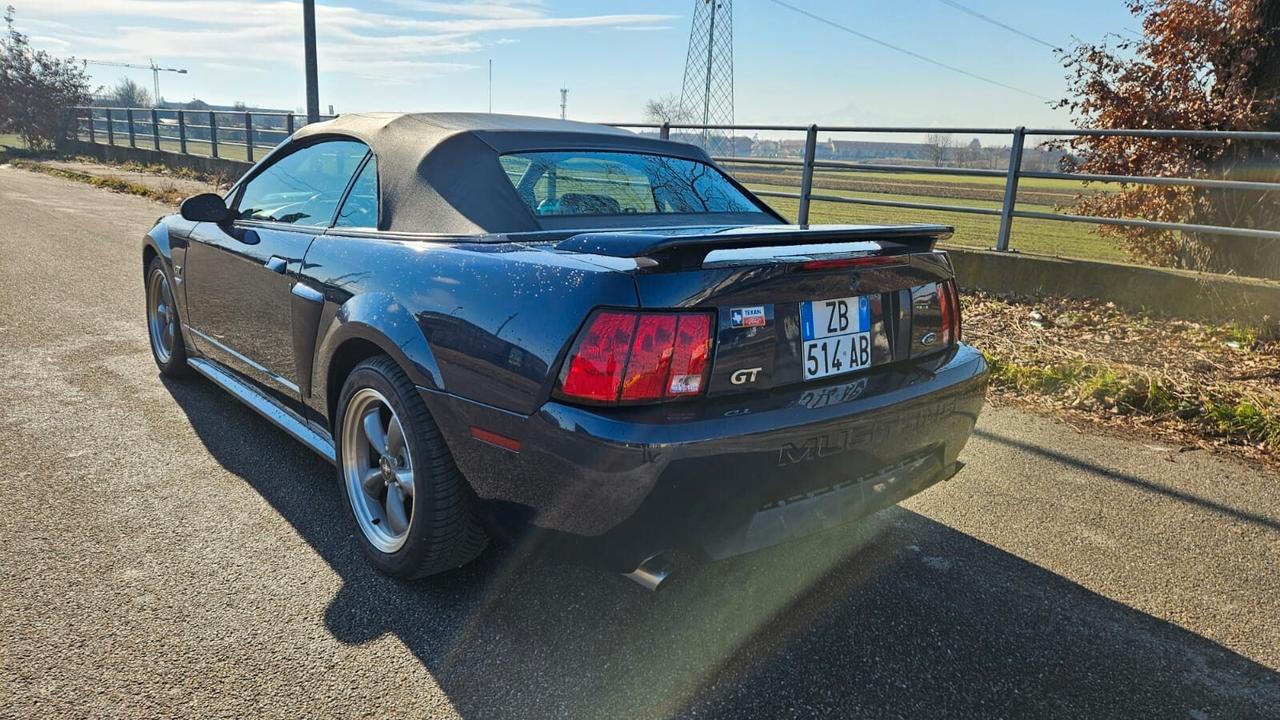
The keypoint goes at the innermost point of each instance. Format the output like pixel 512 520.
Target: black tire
pixel 170 357
pixel 444 532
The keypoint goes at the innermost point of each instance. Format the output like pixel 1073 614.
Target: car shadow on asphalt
pixel 896 616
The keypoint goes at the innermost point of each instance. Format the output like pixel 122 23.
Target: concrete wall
pixel 1221 299
pixel 120 154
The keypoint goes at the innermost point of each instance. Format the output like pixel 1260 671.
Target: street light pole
pixel 309 40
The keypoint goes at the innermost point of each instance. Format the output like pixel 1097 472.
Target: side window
pixel 361 208
pixel 303 187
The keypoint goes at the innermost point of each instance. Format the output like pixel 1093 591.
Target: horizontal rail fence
pixel 808 161
pixel 230 134
pixel 248 135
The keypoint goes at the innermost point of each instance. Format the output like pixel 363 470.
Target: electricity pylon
pixel 707 95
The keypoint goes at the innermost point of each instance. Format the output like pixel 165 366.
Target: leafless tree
pixel 665 109
pixel 936 147
pixel 129 94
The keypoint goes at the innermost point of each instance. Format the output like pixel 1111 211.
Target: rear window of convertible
pixel 616 183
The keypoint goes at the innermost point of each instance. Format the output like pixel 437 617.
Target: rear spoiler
pixel 690 246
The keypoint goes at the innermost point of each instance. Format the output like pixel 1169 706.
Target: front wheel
pixel 412 506
pixel 162 323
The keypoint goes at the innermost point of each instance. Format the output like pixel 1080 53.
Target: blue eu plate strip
pixel 806 320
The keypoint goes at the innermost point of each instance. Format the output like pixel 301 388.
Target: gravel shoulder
pixel 164 551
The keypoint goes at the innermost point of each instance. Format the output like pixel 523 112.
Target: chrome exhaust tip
pixel 650 573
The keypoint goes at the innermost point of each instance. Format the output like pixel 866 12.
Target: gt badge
pixel 745 375
pixel 747 317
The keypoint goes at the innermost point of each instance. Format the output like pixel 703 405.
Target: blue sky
pixel 426 55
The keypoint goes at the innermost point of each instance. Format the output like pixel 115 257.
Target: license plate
pixel 837 336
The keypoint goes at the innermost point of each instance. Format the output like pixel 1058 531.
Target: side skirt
pixel 282 417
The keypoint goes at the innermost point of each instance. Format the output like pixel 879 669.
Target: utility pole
pixel 564 100
pixel 309 42
pixel 490 86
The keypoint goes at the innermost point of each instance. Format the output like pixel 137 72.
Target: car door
pixel 239 274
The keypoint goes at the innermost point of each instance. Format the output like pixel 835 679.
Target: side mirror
pixel 205 207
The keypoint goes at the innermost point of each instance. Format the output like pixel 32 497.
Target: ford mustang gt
pixel 494 325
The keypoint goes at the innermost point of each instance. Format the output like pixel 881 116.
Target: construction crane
pixel 155 72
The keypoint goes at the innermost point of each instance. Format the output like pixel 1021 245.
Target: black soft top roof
pixel 439 172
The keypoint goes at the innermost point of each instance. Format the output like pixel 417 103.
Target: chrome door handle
pixel 276 264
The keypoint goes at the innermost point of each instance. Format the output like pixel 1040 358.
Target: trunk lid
pixel 793 305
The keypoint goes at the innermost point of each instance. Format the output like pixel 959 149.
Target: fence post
pixel 182 131
pixel 288 124
pixel 248 136
pixel 133 140
pixel 665 132
pixel 213 133
pixel 155 127
pixel 93 135
pixel 1011 189
pixel 111 131
pixel 806 176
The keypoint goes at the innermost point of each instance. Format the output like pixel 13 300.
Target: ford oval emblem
pixel 928 338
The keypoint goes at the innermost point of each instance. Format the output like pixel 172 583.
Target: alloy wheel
pixel 378 470
pixel 161 316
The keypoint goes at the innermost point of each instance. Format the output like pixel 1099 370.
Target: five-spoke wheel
pixel 378 469
pixel 162 322
pixel 415 511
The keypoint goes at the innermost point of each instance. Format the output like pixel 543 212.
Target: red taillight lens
pixel 650 362
pixel 949 306
pixel 638 357
pixel 596 366
pixel 689 363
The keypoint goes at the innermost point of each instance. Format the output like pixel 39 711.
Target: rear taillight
pixel 631 357
pixel 949 306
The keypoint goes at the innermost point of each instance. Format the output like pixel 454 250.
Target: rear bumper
pixel 723 476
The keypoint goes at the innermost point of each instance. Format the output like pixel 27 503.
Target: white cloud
pixel 515 8
pixel 46 42
pixel 412 39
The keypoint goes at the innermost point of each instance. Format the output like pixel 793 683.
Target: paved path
pixel 164 552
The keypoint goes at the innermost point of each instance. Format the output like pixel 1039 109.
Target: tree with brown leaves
pixel 1199 65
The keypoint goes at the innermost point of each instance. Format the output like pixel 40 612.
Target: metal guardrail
pixel 213 131
pixel 1009 210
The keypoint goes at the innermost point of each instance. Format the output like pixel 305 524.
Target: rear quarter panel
pixel 485 322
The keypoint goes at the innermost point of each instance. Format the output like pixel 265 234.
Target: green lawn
pixel 1040 237
pixel 194 147
pixel 11 141
pixel 921 178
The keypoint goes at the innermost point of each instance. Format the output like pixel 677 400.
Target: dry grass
pixel 169 196
pixel 1192 384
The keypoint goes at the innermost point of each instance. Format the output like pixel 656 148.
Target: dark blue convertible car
pixel 498 325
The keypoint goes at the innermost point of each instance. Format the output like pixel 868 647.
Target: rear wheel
pixel 162 323
pixel 410 503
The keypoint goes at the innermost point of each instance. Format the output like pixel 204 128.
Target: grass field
pixel 11 141
pixel 1041 237
pixel 194 147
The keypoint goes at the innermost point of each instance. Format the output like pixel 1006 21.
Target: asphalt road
pixel 164 552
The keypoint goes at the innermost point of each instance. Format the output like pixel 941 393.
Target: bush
pixel 37 90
